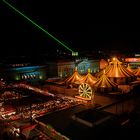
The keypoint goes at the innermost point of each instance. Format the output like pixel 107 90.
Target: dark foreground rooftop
pixel 85 123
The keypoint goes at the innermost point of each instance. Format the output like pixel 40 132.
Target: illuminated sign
pixel 74 53
pixel 132 59
pixel 137 55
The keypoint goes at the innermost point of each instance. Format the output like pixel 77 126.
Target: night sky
pixel 72 24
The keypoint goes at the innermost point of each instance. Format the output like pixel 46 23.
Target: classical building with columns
pixel 66 68
pixel 60 68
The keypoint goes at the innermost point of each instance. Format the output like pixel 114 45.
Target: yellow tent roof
pixel 115 69
pixel 107 69
pixel 104 82
pixel 74 78
pixel 137 72
pixel 115 61
pixel 130 69
pixel 89 79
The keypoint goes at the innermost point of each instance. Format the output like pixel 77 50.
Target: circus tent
pixel 104 84
pixel 89 79
pixel 74 79
pixel 137 72
pixel 130 69
pixel 117 73
pixel 99 74
pixel 105 70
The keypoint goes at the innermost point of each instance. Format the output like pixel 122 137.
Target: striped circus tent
pixel 137 72
pixel 108 67
pixel 74 79
pixel 104 84
pixel 130 69
pixel 117 73
pixel 89 79
pixel 106 70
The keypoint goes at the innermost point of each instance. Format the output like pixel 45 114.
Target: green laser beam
pixel 38 26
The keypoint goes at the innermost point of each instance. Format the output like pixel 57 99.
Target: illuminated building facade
pixel 66 68
pixel 24 73
pixel 133 62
